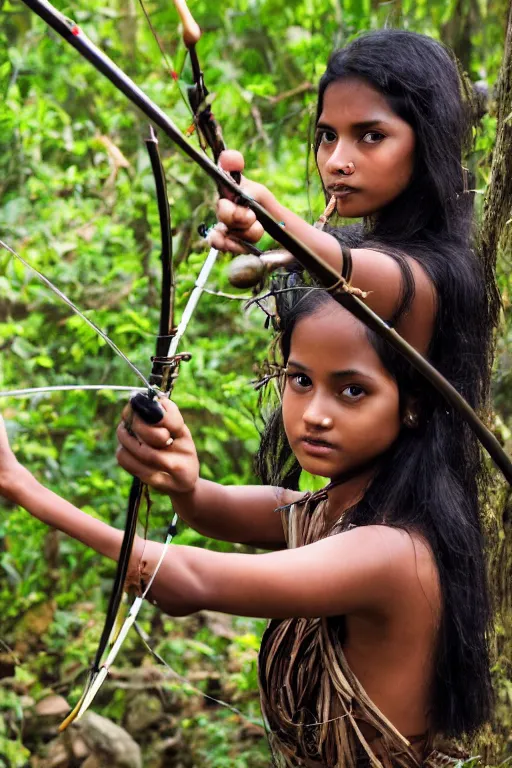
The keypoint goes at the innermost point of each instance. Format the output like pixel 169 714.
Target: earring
pixel 411 419
pixel 348 169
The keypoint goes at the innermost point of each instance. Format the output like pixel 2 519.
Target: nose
pixel 339 161
pixel 315 416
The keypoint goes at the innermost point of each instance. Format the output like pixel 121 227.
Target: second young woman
pixel 377 596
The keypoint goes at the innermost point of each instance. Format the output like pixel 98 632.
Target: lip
pixel 339 191
pixel 316 447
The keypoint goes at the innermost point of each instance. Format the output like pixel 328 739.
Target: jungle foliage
pixel 78 202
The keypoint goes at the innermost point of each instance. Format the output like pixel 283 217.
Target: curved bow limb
pixel 163 376
pixel 163 370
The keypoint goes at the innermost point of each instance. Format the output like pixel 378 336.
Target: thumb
pixel 230 160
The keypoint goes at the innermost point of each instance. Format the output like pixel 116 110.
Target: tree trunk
pixel 496 241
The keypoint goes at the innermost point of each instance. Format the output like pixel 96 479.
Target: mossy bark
pixel 496 242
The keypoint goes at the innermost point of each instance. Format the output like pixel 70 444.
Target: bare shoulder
pixel 380 275
pixel 407 559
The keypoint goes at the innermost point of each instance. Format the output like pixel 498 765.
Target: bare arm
pixel 369 570
pixel 373 271
pixel 372 569
pixel 244 514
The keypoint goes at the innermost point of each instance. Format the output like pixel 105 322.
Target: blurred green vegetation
pixel 77 201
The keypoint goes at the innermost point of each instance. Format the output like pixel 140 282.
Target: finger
pixel 168 475
pixel 234 216
pixel 222 243
pixel 253 233
pixel 173 420
pixel 4 437
pixel 171 425
pixel 231 160
pixel 148 475
pixel 154 437
pixel 3 433
pixel 152 459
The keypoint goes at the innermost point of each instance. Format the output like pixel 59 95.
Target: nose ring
pixel 325 423
pixel 348 169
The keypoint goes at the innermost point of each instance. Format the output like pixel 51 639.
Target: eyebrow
pixel 338 374
pixel 364 124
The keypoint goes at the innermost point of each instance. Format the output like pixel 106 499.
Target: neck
pixel 348 489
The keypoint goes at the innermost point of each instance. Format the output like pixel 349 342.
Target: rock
pixel 110 744
pixel 143 712
pixel 55 755
pixel 93 762
pixel 79 747
pixel 52 705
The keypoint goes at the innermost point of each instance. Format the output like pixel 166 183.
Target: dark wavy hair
pixel 432 219
pixel 421 484
pixel 431 478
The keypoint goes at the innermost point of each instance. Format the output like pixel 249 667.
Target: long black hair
pixel 424 483
pixel 431 478
pixel 432 219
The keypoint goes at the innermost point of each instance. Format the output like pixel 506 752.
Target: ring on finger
pixel 169 442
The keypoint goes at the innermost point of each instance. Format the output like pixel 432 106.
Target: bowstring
pixel 168 61
pixel 77 311
pixel 169 64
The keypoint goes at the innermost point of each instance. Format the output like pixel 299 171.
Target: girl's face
pixel 358 126
pixel 340 405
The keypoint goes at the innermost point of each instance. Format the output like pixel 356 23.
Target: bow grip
pixel 150 411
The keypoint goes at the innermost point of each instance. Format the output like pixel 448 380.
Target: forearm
pixel 177 591
pixel 321 243
pixel 244 514
pixel 51 509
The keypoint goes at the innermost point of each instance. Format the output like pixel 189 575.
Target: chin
pixel 320 468
pixel 356 209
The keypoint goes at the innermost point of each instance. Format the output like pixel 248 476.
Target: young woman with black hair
pixel 391 129
pixel 376 591
pixel 377 595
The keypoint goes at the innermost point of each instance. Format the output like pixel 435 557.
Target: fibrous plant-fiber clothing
pixel 317 713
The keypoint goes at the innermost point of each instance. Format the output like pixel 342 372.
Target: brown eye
pixel 299 380
pixel 353 392
pixel 373 137
pixel 326 137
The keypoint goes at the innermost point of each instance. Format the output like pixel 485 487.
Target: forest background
pixel 77 201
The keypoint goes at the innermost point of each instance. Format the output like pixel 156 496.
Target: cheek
pixel 289 412
pixel 388 418
pixel 403 161
pixel 381 423
pixel 396 167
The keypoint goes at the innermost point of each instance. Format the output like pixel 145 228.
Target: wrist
pixel 184 495
pixel 14 482
pixel 267 199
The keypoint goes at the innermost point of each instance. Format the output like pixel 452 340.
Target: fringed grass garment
pixel 316 712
